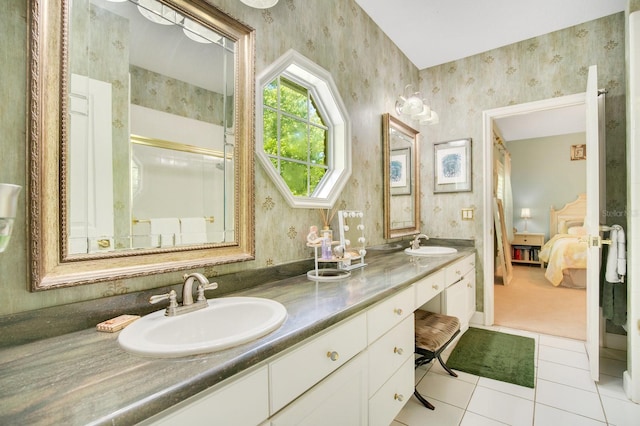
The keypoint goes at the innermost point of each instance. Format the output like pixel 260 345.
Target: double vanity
pixel 344 352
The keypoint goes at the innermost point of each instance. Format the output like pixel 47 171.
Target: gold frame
pixel 578 152
pixel 46 139
pixel 389 122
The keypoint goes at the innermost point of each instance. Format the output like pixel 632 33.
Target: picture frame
pixel 452 166
pixel 578 152
pixel 400 171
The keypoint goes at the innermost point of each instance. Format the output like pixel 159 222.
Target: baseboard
pixel 477 319
pixel 615 341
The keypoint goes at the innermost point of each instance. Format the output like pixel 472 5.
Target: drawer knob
pixel 333 355
pixel 398 311
pixel 398 350
pixel 435 286
pixel 458 272
pixel 398 397
pixel 469 285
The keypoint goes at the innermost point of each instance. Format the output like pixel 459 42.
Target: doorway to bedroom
pixel 534 176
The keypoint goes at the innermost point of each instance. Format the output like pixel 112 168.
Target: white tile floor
pixel 564 393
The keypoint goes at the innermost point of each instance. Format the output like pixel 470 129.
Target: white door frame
pixel 488 116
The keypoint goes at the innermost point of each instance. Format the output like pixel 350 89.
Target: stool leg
pixel 423 401
pixel 446 367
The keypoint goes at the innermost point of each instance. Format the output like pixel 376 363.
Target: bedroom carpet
pixel 499 356
pixel 532 303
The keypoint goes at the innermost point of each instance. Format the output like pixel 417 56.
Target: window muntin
pixel 295 136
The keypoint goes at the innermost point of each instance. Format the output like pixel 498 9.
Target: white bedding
pixel 561 252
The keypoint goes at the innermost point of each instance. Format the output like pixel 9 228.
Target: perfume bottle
pixel 326 248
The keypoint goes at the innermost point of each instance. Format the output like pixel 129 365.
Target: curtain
pixel 502 188
pixel 508 196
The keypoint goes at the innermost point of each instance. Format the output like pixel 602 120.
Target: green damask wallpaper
pixel 544 67
pixel 370 73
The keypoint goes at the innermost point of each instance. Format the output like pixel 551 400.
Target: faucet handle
pixel 204 287
pixel 173 302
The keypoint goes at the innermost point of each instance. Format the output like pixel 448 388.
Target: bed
pixel 566 251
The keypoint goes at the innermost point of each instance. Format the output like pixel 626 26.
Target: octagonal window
pixel 303 132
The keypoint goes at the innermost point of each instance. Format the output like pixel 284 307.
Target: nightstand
pixel 525 248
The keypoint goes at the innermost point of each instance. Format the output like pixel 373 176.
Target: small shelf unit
pixel 525 248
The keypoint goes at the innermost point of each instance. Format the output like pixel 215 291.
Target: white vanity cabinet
pixel 459 298
pixel 391 339
pixel 357 372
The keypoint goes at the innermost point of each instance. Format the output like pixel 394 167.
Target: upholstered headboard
pixel 572 214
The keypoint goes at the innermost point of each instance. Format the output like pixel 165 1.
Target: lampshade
pixel 525 213
pixel 260 4
pixel 198 33
pixel 411 104
pixel 157 12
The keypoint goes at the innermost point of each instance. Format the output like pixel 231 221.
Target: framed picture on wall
pixel 452 166
pixel 400 173
pixel 578 152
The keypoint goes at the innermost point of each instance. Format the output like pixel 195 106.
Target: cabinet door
pixel 455 301
pixel 340 399
pixel 460 299
pixel 244 401
pixel 385 405
pixel 471 293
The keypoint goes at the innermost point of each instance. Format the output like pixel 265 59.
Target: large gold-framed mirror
pixel 141 134
pixel 401 156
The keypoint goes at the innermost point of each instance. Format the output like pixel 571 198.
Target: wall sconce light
pixel 412 105
pixel 260 4
pixel 525 213
pixel 8 206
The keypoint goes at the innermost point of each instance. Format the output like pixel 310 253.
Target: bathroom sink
pixel 226 322
pixel 430 251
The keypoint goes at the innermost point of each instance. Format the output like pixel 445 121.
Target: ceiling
pixel 434 32
pixel 541 124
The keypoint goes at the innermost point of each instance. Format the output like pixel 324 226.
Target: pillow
pixel 565 225
pixel 577 230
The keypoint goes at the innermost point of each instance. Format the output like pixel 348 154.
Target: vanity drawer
pixel 294 373
pixel 428 287
pixel 385 405
pixel 389 352
pixel 456 271
pixel 523 239
pixel 384 316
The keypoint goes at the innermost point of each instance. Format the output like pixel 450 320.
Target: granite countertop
pixel 86 378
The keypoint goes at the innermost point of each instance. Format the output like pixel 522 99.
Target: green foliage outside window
pixel 295 136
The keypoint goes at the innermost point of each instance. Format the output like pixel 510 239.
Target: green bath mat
pixel 495 355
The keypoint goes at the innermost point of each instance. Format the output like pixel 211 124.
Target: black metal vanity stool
pixel 433 333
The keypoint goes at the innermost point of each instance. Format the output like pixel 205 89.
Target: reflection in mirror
pixel 125 91
pixel 401 178
pixel 352 239
pixel 155 119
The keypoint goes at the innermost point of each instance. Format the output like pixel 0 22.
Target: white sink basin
pixel 430 251
pixel 226 322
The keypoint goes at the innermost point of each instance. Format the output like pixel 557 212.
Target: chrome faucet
pixel 415 243
pixel 188 305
